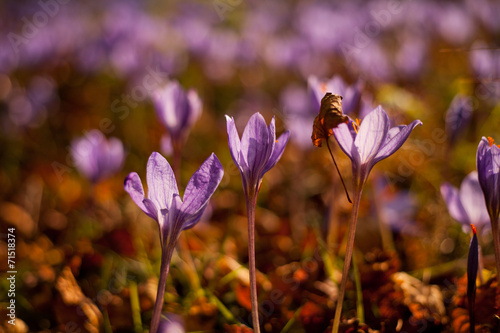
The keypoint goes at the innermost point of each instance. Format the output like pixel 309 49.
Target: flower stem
pixel 166 257
pixel 359 289
pixel 496 243
pixel 348 255
pixel 338 171
pixel 251 203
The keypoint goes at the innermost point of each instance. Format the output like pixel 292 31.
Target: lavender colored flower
pixel 488 168
pixel 365 144
pixel 457 117
pixel 255 154
pixel 372 142
pixel 351 95
pixel 466 205
pixel 173 215
pixel 97 157
pixel 257 151
pixel 177 109
pixel 164 203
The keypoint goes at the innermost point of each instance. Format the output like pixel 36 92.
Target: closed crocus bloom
pixel 466 205
pixel 177 110
pixel 458 116
pixel 488 170
pixel 97 157
pixel 257 151
pixel 254 155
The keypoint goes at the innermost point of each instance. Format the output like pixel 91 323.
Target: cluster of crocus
pixel 97 157
pixel 165 206
pixel 488 169
pixel 254 155
pixel 366 144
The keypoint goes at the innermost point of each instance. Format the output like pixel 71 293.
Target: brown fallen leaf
pixel 73 310
pixel 330 116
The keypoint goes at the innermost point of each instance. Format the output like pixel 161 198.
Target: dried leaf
pixel 330 116
pixel 72 309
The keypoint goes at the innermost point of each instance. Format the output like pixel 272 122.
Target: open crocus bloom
pixel 257 151
pixel 164 203
pixel 488 169
pixel 466 205
pixel 371 141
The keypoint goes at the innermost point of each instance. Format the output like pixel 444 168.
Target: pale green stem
pixel 359 290
pixel 166 257
pixel 135 306
pixel 358 188
pixel 496 243
pixel 251 203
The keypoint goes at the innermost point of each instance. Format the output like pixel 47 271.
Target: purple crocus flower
pixel 370 142
pixel 351 95
pixel 488 169
pixel 257 151
pixel 457 117
pixel 164 203
pixel 466 205
pixel 177 109
pixel 97 157
pixel 365 144
pixel 255 154
pixel 173 215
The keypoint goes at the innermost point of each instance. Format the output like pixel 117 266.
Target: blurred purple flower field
pixel 92 91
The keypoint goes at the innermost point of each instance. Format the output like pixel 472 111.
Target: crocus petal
pixel 452 200
pixel 115 156
pixel 195 106
pixel 345 139
pixel 472 199
pixel 235 144
pixel 271 136
pixel 191 220
pixel 202 185
pixel 279 148
pixel 174 221
pixel 483 161
pixel 395 139
pixel 254 144
pixel 133 186
pixel 154 211
pixel 161 181
pixel 372 134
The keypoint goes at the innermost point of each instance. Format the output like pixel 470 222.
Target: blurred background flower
pixel 97 157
